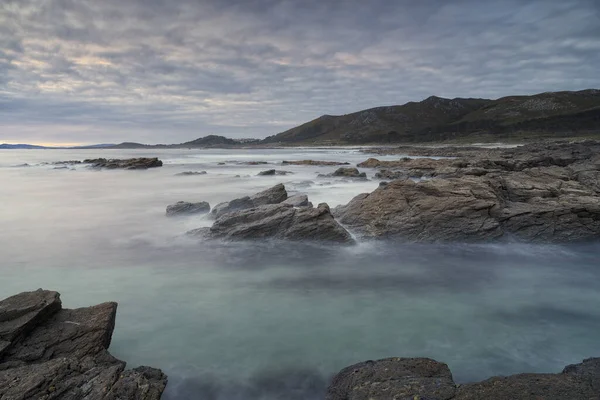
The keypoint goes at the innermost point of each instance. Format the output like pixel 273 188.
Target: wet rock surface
pixel 191 173
pixel 273 172
pixel 47 352
pixel 186 208
pixel 537 193
pixel 423 378
pixel 314 162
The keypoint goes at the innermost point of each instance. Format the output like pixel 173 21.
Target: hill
pixel 20 146
pixel 556 114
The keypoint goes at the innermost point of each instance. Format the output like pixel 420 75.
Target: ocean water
pixel 271 320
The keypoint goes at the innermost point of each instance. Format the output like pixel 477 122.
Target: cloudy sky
pixel 168 71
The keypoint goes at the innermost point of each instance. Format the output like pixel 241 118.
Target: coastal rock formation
pixel 423 378
pixel 346 173
pixel 274 195
pixel 186 208
pixel 278 221
pixel 47 352
pixel 545 193
pixel 132 163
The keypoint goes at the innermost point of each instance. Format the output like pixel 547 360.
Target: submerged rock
pixel 423 378
pixel 273 195
pixel 271 172
pixel 190 173
pixel 349 173
pixel 278 221
pixel 47 352
pixel 186 208
pixel 131 163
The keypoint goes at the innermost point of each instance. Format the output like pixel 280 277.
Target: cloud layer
pixel 172 70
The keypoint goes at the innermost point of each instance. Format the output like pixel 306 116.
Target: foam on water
pixel 273 320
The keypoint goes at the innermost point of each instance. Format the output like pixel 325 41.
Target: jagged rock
pixel 271 172
pixel 314 162
pixel 132 163
pixel 299 200
pixel 278 221
pixel 190 173
pixel 55 353
pixel 184 207
pixel 349 173
pixel 426 379
pixel 273 195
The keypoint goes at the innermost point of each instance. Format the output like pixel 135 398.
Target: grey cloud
pixel 164 70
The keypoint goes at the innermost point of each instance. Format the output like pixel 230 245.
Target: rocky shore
pixel 427 379
pixel 47 352
pixel 534 193
pixel 130 163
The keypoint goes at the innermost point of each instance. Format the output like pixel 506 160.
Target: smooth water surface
pixel 271 320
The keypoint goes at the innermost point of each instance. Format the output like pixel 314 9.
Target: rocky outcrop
pixel 47 352
pixel 132 163
pixel 272 172
pixel 314 162
pixel 545 193
pixel 423 378
pixel 278 221
pixel 346 173
pixel 186 208
pixel 273 195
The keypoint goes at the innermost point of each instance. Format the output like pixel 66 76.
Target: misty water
pixel 271 320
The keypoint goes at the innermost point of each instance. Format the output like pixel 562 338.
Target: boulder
pixel 423 378
pixel 298 200
pixel 273 195
pixel 278 221
pixel 185 208
pixel 52 353
pixel 131 163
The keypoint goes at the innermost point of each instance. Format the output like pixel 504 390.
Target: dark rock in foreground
pixel 423 378
pixel 186 208
pixel 274 195
pixel 278 221
pixel 47 352
pixel 132 163
pixel 299 200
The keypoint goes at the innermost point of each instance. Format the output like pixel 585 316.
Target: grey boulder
pixel 186 208
pixel 298 200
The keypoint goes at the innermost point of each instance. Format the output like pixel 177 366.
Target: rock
pixel 299 200
pixel 531 205
pixel 426 379
pixel 393 378
pixel 59 353
pixel 273 195
pixel 132 163
pixel 349 173
pixel 278 221
pixel 313 162
pixel 183 207
pixel 189 173
pixel 391 175
pixel 270 172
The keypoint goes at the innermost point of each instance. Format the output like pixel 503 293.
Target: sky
pixel 169 71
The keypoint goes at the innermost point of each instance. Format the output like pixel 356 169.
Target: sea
pixel 275 320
